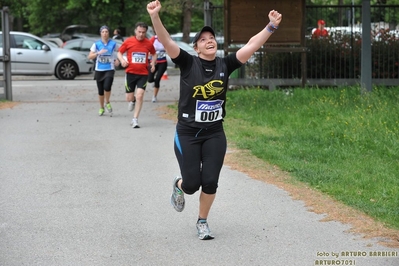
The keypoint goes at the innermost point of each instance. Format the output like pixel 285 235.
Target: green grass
pixel 338 140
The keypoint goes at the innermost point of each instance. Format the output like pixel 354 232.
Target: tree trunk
pixel 187 12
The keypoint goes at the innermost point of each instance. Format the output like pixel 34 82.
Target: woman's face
pixel 105 34
pixel 206 44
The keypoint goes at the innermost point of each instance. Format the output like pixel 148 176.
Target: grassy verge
pixel 338 141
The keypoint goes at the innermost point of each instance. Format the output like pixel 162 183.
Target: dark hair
pixel 141 24
pixel 118 31
pixel 105 27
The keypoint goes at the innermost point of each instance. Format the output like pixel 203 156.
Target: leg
pixel 141 86
pixel 101 100
pixel 187 153
pixel 107 88
pixel 206 201
pixel 161 68
pixel 154 97
pixel 139 102
pixel 213 152
pixel 107 94
pixel 130 85
pixel 130 97
pixel 100 87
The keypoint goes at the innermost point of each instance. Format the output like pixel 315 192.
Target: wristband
pixel 271 28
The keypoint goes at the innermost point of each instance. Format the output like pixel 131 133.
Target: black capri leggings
pixel 200 153
pixel 156 76
pixel 104 85
pixel 104 80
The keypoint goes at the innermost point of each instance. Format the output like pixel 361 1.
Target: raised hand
pixel 153 7
pixel 275 17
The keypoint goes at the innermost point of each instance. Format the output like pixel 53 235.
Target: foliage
pixel 94 13
pixel 339 141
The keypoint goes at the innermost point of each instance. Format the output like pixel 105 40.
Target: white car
pixel 179 37
pixel 31 55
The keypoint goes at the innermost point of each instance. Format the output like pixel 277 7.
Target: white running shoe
pixel 131 106
pixel 154 99
pixel 177 198
pixel 204 233
pixel 135 123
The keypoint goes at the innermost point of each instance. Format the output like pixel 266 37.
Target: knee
pixel 191 185
pixel 209 188
pixel 190 188
pixel 139 97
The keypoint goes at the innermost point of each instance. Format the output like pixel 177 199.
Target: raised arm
pixel 244 53
pixel 171 47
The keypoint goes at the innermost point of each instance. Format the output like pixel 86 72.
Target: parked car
pixel 57 41
pixel 83 45
pixel 77 32
pixel 179 37
pixel 31 55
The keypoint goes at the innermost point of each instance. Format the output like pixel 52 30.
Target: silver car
pixel 31 55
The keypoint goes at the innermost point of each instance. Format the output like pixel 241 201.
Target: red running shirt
pixel 137 55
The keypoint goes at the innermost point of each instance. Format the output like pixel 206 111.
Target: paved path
pixel 78 189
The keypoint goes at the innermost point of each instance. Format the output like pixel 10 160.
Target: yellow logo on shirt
pixel 209 90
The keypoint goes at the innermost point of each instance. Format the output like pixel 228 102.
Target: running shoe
pixel 177 198
pixel 101 112
pixel 154 99
pixel 204 233
pixel 108 107
pixel 135 123
pixel 131 105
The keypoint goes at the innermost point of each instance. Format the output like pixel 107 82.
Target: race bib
pixel 139 58
pixel 208 111
pixel 161 54
pixel 104 59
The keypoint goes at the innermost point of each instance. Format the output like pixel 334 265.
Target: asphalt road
pixel 79 189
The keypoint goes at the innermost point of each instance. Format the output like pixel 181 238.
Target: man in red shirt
pixel 320 31
pixel 137 49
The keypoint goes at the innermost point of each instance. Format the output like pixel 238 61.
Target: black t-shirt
pixel 203 87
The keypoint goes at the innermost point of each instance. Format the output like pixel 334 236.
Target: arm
pixel 171 47
pixel 122 49
pixel 92 55
pixel 93 52
pixel 153 61
pixel 259 39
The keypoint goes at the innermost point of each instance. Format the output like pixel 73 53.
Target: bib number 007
pixel 209 111
pixel 210 116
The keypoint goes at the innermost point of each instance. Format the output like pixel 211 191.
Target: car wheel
pixel 66 69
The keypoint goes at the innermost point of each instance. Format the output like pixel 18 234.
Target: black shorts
pixel 132 81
